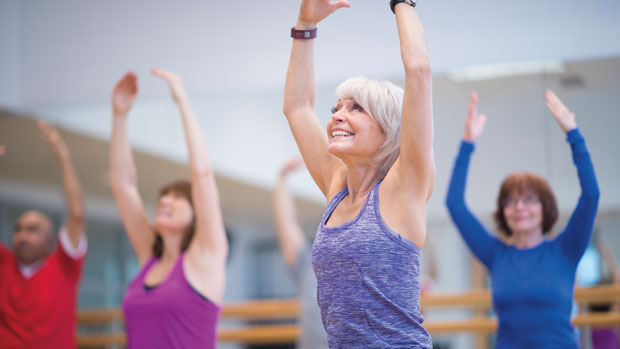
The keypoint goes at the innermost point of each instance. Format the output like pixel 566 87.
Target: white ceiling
pixel 59 60
pixel 71 51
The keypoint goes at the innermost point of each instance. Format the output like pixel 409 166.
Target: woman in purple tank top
pixel 175 300
pixel 376 169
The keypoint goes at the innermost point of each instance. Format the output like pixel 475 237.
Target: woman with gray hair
pixel 366 252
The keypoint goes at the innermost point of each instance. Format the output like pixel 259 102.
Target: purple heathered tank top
pixel 171 315
pixel 368 281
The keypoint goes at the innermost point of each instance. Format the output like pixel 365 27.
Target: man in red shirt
pixel 38 285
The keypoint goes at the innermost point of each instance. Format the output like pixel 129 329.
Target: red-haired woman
pixel 532 276
pixel 175 300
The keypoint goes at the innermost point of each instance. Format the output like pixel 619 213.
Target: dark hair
pixel 520 183
pixel 184 188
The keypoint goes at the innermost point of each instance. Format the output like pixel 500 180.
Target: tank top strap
pixel 145 269
pixel 333 203
pixel 373 197
pixel 178 273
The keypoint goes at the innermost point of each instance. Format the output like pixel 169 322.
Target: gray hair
pixel 383 101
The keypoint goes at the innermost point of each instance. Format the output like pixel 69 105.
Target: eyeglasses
pixel 528 200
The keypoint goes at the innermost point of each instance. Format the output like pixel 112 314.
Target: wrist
pixel 305 25
pixel 119 115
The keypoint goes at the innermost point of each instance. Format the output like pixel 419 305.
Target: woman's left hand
pixel 52 138
pixel 564 117
pixel 175 84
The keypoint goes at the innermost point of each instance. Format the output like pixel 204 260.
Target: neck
pixel 172 247
pixel 360 179
pixel 529 239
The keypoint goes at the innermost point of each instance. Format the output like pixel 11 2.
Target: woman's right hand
pixel 124 94
pixel 312 12
pixel 291 165
pixel 474 123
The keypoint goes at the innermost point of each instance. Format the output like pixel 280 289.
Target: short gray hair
pixel 383 101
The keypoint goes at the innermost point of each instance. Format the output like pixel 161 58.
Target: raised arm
pixel 299 95
pixel 480 242
pixel 415 167
pixel 123 177
pixel 577 233
pixel 74 197
pixel 210 238
pixel 290 235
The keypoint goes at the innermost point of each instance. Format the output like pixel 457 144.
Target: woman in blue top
pixel 377 174
pixel 532 277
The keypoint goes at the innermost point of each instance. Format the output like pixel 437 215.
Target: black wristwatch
pixel 394 2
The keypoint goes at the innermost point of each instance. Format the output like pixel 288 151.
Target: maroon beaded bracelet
pixel 303 34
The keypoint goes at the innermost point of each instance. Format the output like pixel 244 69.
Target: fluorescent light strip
pixel 504 70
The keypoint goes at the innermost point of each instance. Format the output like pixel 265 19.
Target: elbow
pixel 202 172
pixel 79 216
pixel 120 183
pixel 417 68
pixel 293 105
pixel 451 202
pixel 593 195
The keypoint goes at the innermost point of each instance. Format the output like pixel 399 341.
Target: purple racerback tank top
pixel 368 281
pixel 170 315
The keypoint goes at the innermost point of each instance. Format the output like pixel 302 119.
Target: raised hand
pixel 53 140
pixel 174 83
pixel 564 117
pixel 312 12
pixel 474 122
pixel 124 94
pixel 293 164
pixel 2 150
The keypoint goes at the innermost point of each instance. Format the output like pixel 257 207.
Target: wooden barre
pixel 254 335
pixel 272 309
pixel 481 299
pixel 280 334
pixel 288 308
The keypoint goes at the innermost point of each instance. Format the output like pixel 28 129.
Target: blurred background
pixel 60 59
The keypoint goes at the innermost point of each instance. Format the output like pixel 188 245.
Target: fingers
pixel 473 105
pixel 128 83
pixel 292 164
pixel 340 4
pixel 482 119
pixel 164 74
pixel 48 134
pixel 45 130
pixel 554 103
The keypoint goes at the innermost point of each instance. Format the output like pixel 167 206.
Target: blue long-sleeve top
pixel 532 288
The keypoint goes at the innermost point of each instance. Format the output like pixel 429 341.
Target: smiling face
pixel 353 133
pixel 32 237
pixel 174 213
pixel 525 204
pixel 523 212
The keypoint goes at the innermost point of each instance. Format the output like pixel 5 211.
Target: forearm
pixel 480 242
pixel 583 162
pixel 577 233
pixel 290 235
pixel 412 39
pixel 122 166
pixel 299 89
pixel 456 188
pixel 71 185
pixel 74 197
pixel 417 116
pixel 199 161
